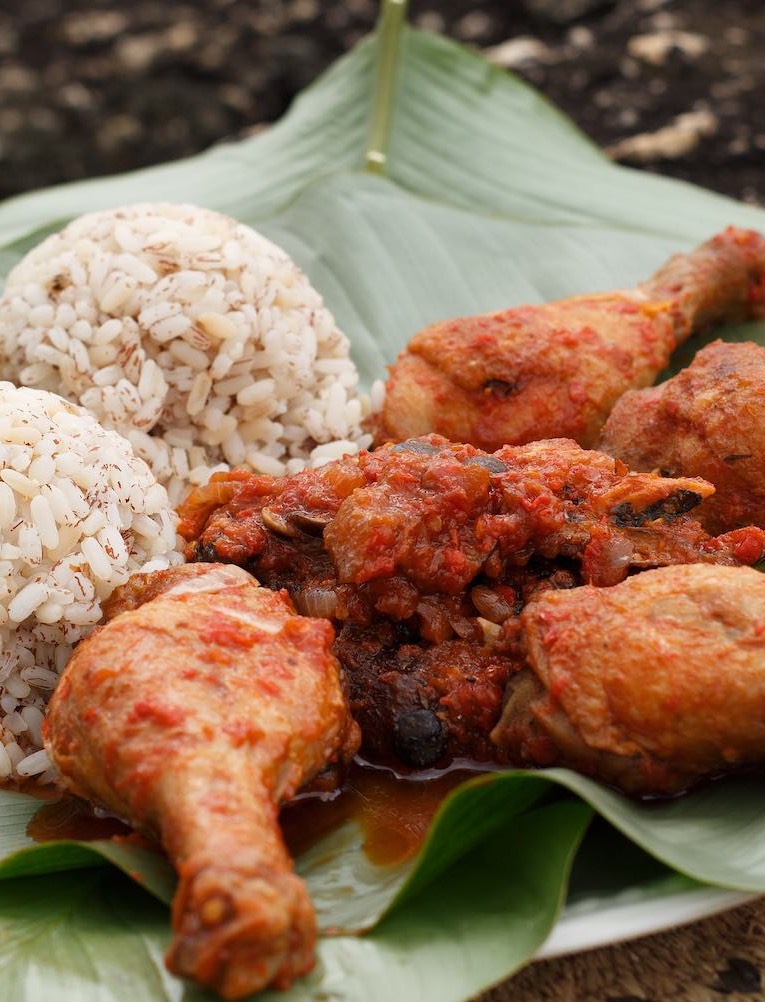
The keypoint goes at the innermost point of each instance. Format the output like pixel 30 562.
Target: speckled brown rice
pixel 189 333
pixel 79 512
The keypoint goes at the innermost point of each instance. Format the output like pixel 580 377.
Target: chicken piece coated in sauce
pixel 556 369
pixel 193 716
pixel 424 553
pixel 650 686
pixel 707 421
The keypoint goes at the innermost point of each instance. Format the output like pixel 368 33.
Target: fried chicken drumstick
pixel 650 686
pixel 424 553
pixel 557 369
pixel 707 421
pixel 193 716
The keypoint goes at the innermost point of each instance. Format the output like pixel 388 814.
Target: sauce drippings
pixel 393 811
pixel 72 818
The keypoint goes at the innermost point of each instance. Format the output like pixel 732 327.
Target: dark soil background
pixel 90 87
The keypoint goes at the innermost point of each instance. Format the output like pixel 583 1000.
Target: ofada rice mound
pixel 191 334
pixel 79 512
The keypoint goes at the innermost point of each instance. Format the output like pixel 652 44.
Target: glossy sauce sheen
pixel 72 818
pixel 393 812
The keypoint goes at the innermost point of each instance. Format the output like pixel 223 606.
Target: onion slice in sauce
pixel 318 602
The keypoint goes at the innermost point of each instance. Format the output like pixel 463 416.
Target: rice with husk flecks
pixel 192 335
pixel 79 512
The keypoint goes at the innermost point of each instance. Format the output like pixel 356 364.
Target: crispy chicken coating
pixel 650 686
pixel 193 716
pixel 424 553
pixel 556 370
pixel 707 421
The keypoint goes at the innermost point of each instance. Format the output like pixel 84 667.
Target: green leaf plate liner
pixel 412 182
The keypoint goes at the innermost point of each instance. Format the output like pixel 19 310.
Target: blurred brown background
pixel 91 87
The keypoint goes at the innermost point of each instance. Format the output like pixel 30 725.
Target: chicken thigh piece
pixel 650 686
pixel 556 370
pixel 707 421
pixel 193 717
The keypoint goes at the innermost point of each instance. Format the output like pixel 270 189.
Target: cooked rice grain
pixel 170 320
pixel 79 513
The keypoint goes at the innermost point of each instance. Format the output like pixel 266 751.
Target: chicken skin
pixel 556 370
pixel 708 421
pixel 650 686
pixel 423 554
pixel 193 716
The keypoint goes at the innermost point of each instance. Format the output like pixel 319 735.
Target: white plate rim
pixel 623 918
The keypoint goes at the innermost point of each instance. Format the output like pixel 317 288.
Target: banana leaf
pixel 412 182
